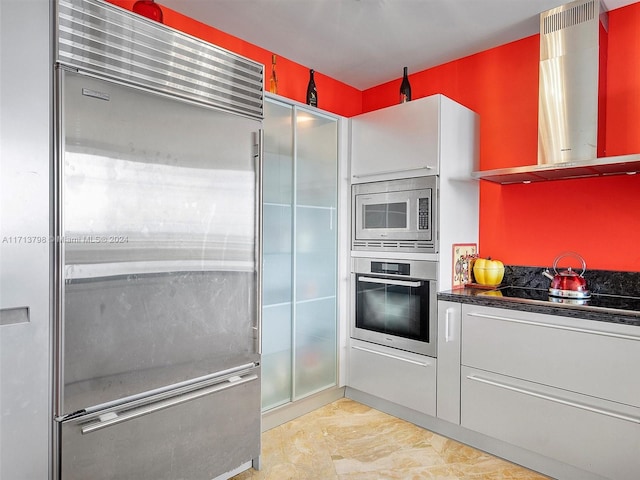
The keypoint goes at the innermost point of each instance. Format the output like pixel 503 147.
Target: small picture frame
pixel 463 254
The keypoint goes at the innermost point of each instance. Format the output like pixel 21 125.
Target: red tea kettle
pixel 568 283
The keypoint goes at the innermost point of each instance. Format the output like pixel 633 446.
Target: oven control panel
pixel 391 268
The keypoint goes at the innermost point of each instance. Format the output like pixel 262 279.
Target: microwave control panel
pixel 424 207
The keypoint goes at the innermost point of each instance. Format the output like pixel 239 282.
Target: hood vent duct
pixel 571 107
pixel 571 85
pixel 559 20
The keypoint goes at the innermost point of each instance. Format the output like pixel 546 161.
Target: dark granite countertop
pixel 615 296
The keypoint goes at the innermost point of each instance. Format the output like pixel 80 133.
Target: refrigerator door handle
pixel 259 240
pixel 113 418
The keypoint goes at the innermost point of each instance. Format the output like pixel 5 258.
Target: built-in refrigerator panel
pixel 158 202
pixel 156 261
pixel 150 180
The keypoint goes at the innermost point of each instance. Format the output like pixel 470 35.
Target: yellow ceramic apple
pixel 487 271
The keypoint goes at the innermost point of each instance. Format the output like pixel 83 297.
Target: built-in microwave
pixel 396 215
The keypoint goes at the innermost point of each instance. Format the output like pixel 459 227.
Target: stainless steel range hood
pixel 571 100
pixel 598 167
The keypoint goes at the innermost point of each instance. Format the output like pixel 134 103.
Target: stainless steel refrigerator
pixel 157 368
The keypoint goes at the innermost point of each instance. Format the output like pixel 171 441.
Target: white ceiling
pixel 364 43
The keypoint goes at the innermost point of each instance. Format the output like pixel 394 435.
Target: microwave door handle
pixel 384 281
pixel 385 172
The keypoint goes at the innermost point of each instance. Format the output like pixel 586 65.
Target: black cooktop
pixel 613 303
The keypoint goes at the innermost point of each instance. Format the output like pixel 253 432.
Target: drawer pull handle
pixel 562 401
pixel 558 327
pixel 447 325
pixel 395 357
pixel 113 418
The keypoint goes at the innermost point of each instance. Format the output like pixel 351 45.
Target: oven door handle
pixel 384 281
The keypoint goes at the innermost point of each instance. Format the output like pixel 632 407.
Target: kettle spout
pixel 547 274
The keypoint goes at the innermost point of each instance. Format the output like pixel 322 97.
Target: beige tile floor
pixel 346 440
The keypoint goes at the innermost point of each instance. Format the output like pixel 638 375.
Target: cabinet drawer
pixel 595 435
pixel 214 432
pixel 589 357
pixel 401 377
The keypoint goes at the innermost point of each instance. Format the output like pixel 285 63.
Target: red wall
pixel 519 224
pixel 623 82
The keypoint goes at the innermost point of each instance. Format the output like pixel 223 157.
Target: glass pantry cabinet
pixel 300 235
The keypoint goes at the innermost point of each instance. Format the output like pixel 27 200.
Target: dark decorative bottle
pixel 149 9
pixel 312 92
pixel 405 88
pixel 273 81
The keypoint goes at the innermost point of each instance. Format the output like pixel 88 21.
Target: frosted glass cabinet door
pixel 277 249
pixel 315 264
pixel 299 253
pixel 277 180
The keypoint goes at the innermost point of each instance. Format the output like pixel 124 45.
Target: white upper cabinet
pixel 429 136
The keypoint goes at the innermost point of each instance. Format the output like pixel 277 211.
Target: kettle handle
pixel 570 254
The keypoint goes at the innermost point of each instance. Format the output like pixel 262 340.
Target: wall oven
pixel 395 303
pixel 396 215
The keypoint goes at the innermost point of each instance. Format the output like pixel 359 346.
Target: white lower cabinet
pixel 595 358
pixel 448 378
pixel 564 388
pixel 404 378
pixel 592 434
